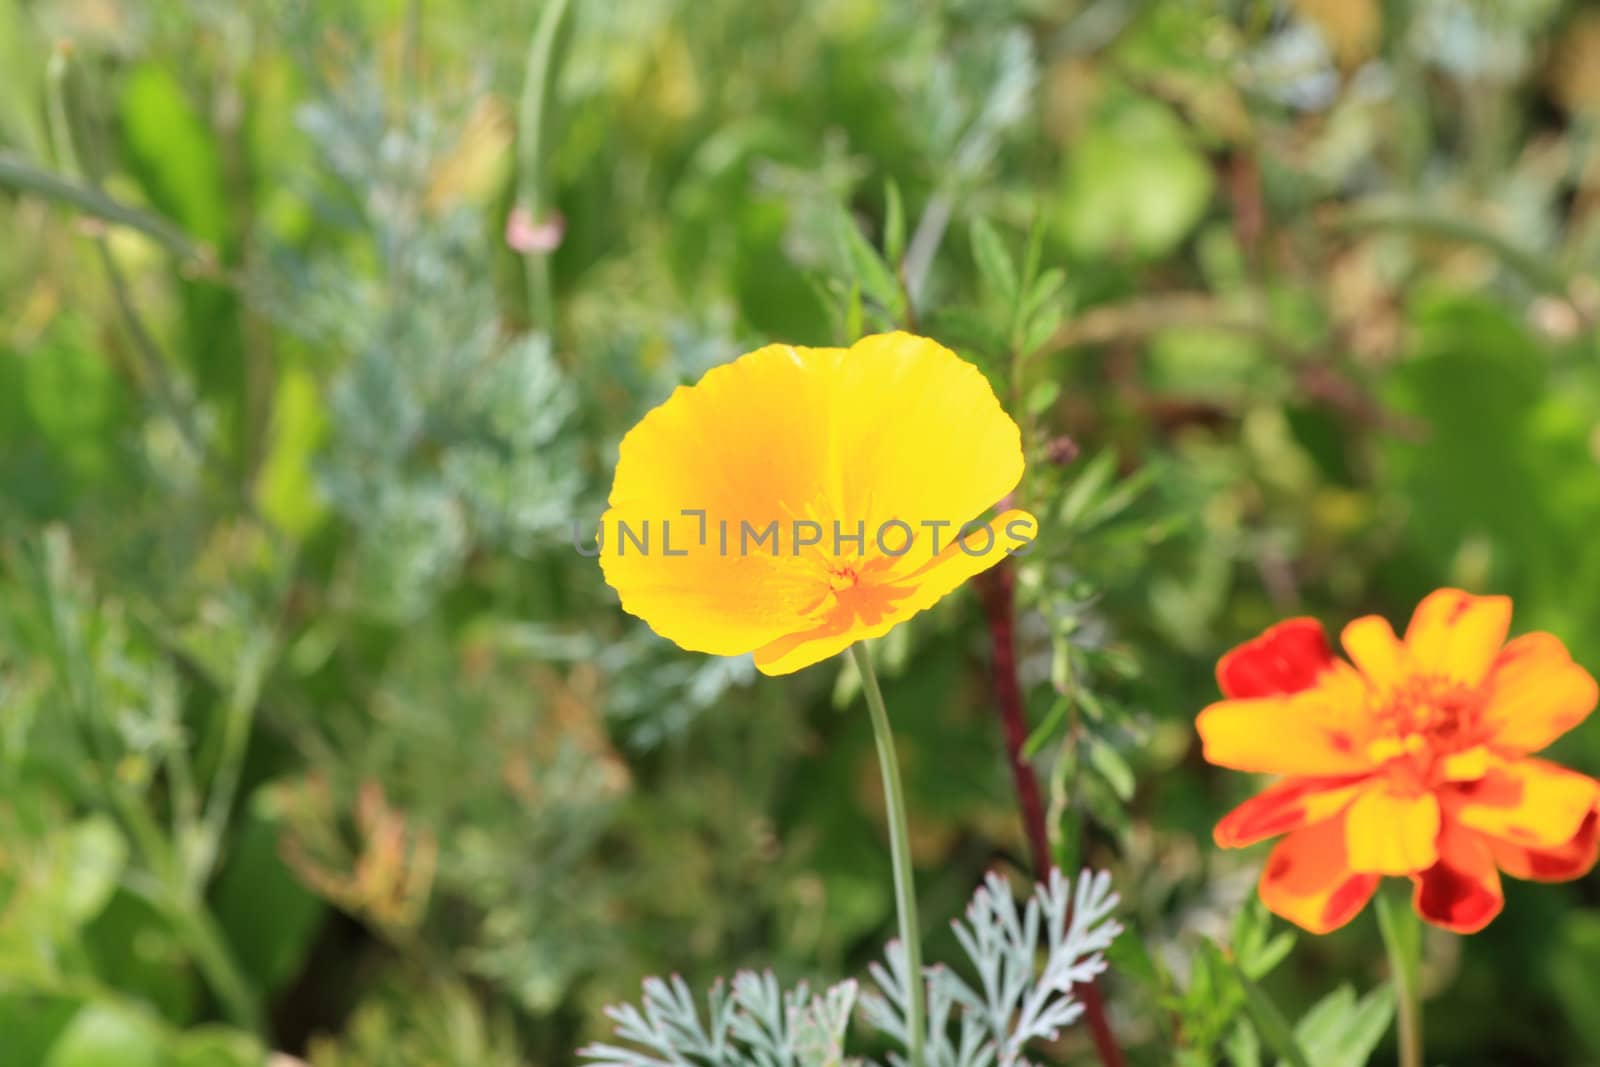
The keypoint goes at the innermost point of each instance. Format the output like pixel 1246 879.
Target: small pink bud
pixel 531 238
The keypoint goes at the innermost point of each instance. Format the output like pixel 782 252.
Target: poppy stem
pixel 905 893
pixel 1402 938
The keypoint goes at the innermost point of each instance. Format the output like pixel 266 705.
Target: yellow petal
pixel 1528 802
pixel 1536 693
pixel 1571 859
pixel 1318 731
pixel 1376 651
pixel 1456 635
pixel 1387 832
pixel 917 435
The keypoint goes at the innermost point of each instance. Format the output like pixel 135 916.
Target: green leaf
pixel 1047 727
pixel 22 56
pixel 32 1024
pixel 1041 396
pixel 1042 328
pixel 1242 1046
pixel 1130 957
pixel 1045 288
pixel 1133 183
pixel 285 489
pixel 91 859
pixel 1093 477
pixel 867 266
pixel 1340 1031
pixel 1105 759
pixel 1255 946
pixel 135 951
pixel 1269 1021
pixel 74 398
pixel 271 943
pixel 894 223
pixel 109 1034
pixel 215 1046
pixel 173 152
pixel 994 262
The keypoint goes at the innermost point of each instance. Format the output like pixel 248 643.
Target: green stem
pixel 1537 270
pixel 239 717
pixel 538 86
pixel 1402 938
pixel 900 849
pixel 18 173
pixel 202 938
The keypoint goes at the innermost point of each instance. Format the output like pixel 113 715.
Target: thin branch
pixel 1537 270
pixel 17 173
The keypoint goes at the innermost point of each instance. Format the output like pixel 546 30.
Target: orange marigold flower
pixel 798 500
pixel 1416 761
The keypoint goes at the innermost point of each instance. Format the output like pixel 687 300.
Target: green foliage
pixel 319 736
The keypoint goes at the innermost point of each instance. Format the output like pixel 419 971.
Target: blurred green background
pixel 321 323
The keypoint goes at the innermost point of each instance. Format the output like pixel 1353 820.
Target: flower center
pixel 842 578
pixel 1425 721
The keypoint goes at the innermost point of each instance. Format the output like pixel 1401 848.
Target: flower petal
pixel 1283 807
pixel 917 435
pixel 1462 891
pixel 1574 859
pixel 1536 693
pixel 1458 635
pixel 737 446
pixel 1388 832
pixel 1287 658
pixel 1529 802
pixel 878 609
pixel 1377 652
pixel 1308 881
pixel 1318 731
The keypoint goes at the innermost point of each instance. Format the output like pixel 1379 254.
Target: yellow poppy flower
pixel 798 500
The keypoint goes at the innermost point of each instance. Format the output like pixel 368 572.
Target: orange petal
pixel 1283 807
pixel 1387 832
pixel 1563 863
pixel 875 610
pixel 1462 891
pixel 1286 658
pixel 1308 881
pixel 1458 635
pixel 1536 693
pixel 1376 651
pixel 1318 731
pixel 1529 802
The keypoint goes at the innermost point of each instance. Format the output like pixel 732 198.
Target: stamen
pixel 1425 721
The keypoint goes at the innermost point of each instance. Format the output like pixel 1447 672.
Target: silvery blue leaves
pixel 1017 999
pixel 758 1024
pixel 451 433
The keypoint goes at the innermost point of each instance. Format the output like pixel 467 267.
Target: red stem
pixel 997 587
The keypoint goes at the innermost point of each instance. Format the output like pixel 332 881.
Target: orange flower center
pixel 841 578
pixel 1425 722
